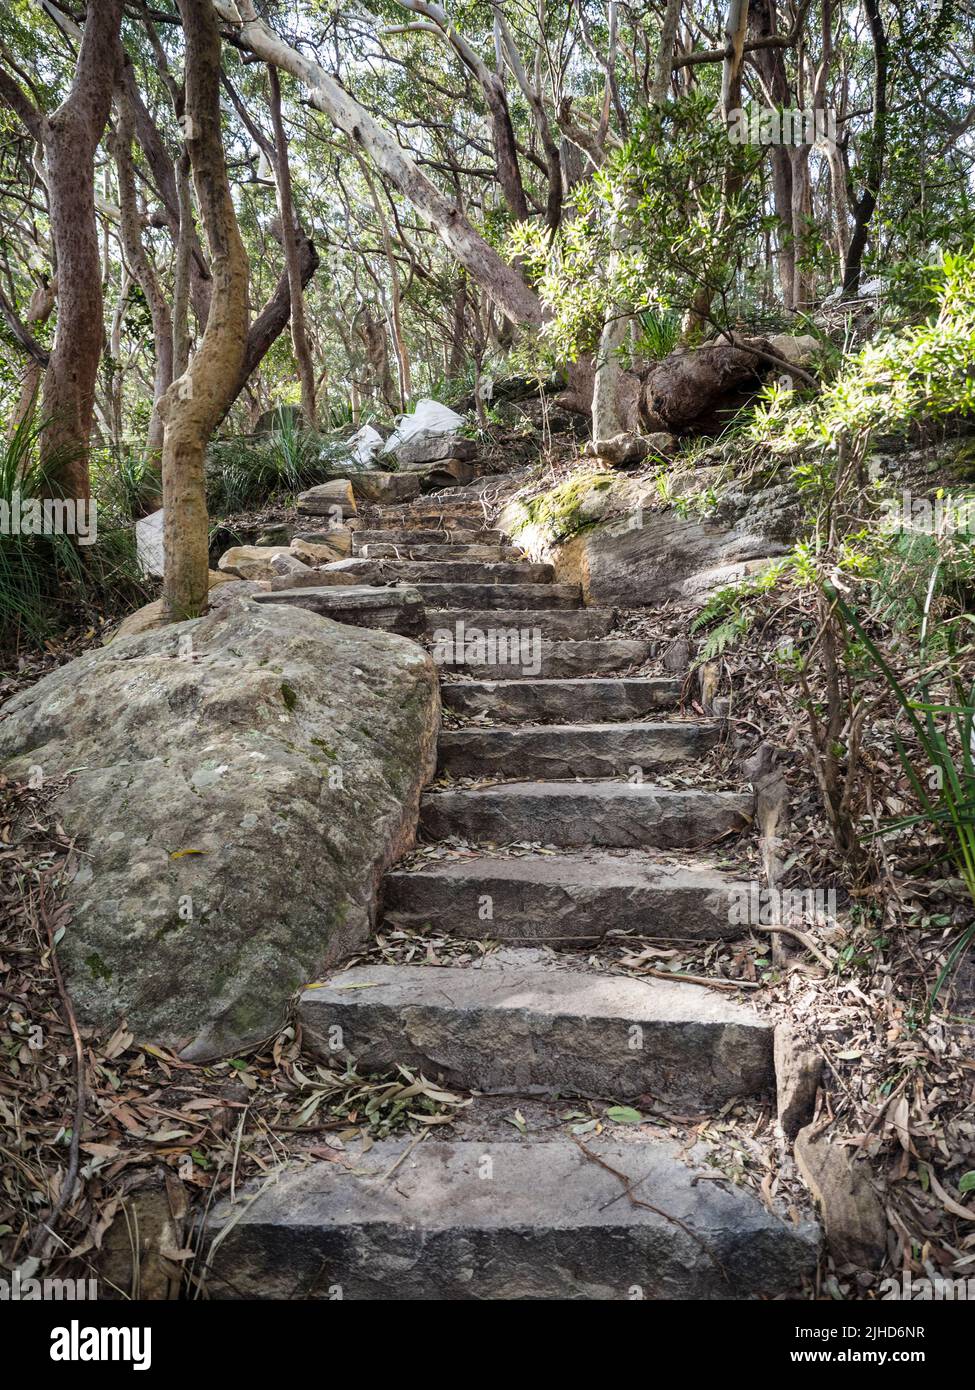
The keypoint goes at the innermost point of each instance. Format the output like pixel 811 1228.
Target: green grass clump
pixel 48 581
pixel 243 473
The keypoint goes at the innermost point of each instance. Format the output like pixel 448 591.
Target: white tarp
pixel 428 417
pixel 364 445
pixel 149 543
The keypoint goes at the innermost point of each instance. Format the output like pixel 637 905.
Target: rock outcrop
pixel 238 784
pixel 627 551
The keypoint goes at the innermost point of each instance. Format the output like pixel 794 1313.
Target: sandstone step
pixel 579 624
pixel 444 511
pixel 433 519
pixel 397 609
pixel 507 599
pixel 446 473
pixel 373 485
pixel 516 1218
pixel 464 536
pixel 365 571
pixel 585 813
pixel 494 554
pixel 547 660
pixel 559 751
pixel 519 1023
pixel 558 897
pixel 626 697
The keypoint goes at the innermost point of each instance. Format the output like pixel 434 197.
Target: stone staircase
pixel 492 1208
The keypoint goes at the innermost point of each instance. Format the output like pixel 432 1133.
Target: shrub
pixel 47 580
pixel 247 472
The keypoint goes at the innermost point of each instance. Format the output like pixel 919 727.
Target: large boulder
pixel 424 448
pixel 251 561
pixel 237 784
pixel 278 418
pixel 663 557
pixel 627 552
pixel 698 390
pixel 432 477
pixel 333 544
pixel 264 561
pixel 149 544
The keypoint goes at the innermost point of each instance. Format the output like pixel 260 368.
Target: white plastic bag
pixel 149 543
pixel 429 417
pixel 364 445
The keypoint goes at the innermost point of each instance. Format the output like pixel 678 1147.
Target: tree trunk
pixel 373 336
pixel 495 98
pixel 38 312
pixel 663 72
pixel 735 29
pixel 166 177
pixel 273 318
pixel 501 281
pixel 531 93
pixel 182 280
pixel 286 210
pixel 763 25
pixel 454 362
pixel 866 204
pixel 139 264
pixel 195 403
pixel 70 138
pixel 607 409
pixel 736 25
pixel 804 288
pixel 395 315
pixel 606 417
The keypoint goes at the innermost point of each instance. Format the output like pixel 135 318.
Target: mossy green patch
pixel 97 967
pixel 561 512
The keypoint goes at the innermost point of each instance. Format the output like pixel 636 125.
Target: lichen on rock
pixel 225 858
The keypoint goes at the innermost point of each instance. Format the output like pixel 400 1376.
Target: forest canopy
pixel 210 211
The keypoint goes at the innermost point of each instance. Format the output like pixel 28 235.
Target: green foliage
pixel 731 612
pixel 127 485
pixel 561 512
pixel 247 472
pixel 924 372
pixel 47 580
pixel 905 564
pixel 658 335
pixel 650 229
